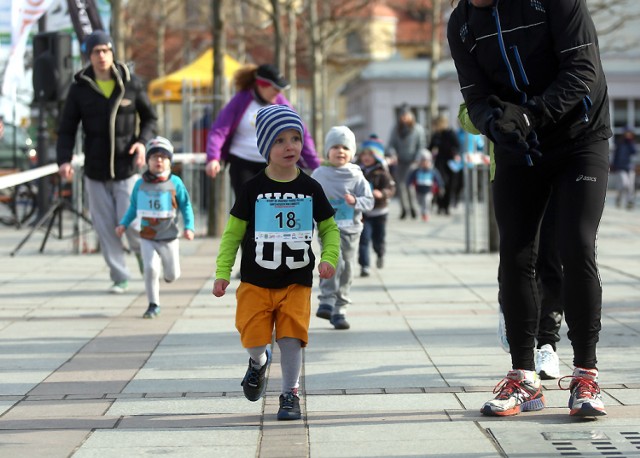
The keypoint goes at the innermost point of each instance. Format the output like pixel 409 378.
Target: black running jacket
pixel 540 51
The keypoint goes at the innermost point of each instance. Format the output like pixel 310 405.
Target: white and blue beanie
pixel 273 120
pixel 159 145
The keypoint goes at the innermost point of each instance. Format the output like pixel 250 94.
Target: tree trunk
pixel 435 60
pixel 316 85
pixel 278 58
pixel 291 62
pixel 218 188
pixel 241 48
pixel 117 33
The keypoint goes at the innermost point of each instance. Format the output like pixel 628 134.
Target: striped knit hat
pixel 159 145
pixel 374 145
pixel 273 120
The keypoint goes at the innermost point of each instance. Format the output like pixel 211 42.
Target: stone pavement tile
pixel 398 435
pixel 189 422
pixel 203 382
pixel 356 374
pixel 627 397
pixel 384 402
pixel 105 366
pixel 60 409
pixel 196 356
pixel 20 382
pixel 82 423
pixel 40 444
pixel 184 406
pixel 95 388
pixel 238 442
pixel 134 338
pixel 6 405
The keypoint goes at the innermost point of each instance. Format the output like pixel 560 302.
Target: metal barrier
pixel 477 208
pixel 189 166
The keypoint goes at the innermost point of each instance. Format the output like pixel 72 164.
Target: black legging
pixel 241 170
pixel 549 275
pixel 549 280
pixel 579 177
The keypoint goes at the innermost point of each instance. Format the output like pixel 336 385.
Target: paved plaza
pixel 82 375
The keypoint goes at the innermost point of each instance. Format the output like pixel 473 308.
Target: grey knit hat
pixel 340 135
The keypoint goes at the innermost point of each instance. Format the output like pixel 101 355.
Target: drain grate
pixel 595 443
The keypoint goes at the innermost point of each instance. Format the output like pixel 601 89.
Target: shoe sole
pixel 529 406
pixel 342 327
pixel 286 415
pixel 587 410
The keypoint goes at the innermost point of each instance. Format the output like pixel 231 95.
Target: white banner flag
pixel 24 13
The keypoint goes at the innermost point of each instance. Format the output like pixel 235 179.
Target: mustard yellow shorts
pixel 259 309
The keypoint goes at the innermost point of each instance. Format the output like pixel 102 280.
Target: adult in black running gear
pixel 531 76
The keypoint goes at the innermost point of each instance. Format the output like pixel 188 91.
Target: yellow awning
pixel 199 73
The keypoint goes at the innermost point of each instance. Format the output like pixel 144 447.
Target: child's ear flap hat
pixel 273 120
pixel 159 145
pixel 376 147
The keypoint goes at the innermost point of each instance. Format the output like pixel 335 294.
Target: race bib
pixel 344 212
pixel 284 220
pixel 155 204
pixel 424 178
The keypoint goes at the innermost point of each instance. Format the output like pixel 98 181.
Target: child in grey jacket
pixel 350 194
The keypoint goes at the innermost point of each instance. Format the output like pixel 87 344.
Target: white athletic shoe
pixel 547 363
pixel 502 332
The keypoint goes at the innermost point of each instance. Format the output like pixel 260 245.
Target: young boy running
pixel 272 219
pixel 156 199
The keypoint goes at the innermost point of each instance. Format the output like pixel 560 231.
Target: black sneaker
pixel 253 383
pixel 152 312
pixel 380 262
pixel 289 407
pixel 340 322
pixel 324 311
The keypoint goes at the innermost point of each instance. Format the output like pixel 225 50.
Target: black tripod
pixel 49 217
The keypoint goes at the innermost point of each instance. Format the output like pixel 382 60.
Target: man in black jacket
pixel 531 76
pixel 107 99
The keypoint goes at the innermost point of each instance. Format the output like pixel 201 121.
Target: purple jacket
pixel 225 125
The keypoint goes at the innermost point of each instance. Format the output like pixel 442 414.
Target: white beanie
pixel 340 135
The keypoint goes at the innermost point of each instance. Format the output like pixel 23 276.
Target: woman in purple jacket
pixel 232 137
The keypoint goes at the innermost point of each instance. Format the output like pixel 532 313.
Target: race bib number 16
pixel 284 220
pixel 155 204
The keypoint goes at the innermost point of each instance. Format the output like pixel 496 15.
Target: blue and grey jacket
pixel 157 205
pixel 541 52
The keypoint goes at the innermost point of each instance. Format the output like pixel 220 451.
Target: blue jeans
pixel 374 230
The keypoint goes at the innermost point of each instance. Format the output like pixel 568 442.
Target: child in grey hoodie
pixel 350 194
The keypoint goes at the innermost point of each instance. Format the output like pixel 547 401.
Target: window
pixel 626 113
pixel 354 43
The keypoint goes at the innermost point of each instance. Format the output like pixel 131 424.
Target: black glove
pixel 515 118
pixel 534 145
pixel 512 142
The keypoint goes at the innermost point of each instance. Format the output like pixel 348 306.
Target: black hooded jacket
pixel 109 124
pixel 540 51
